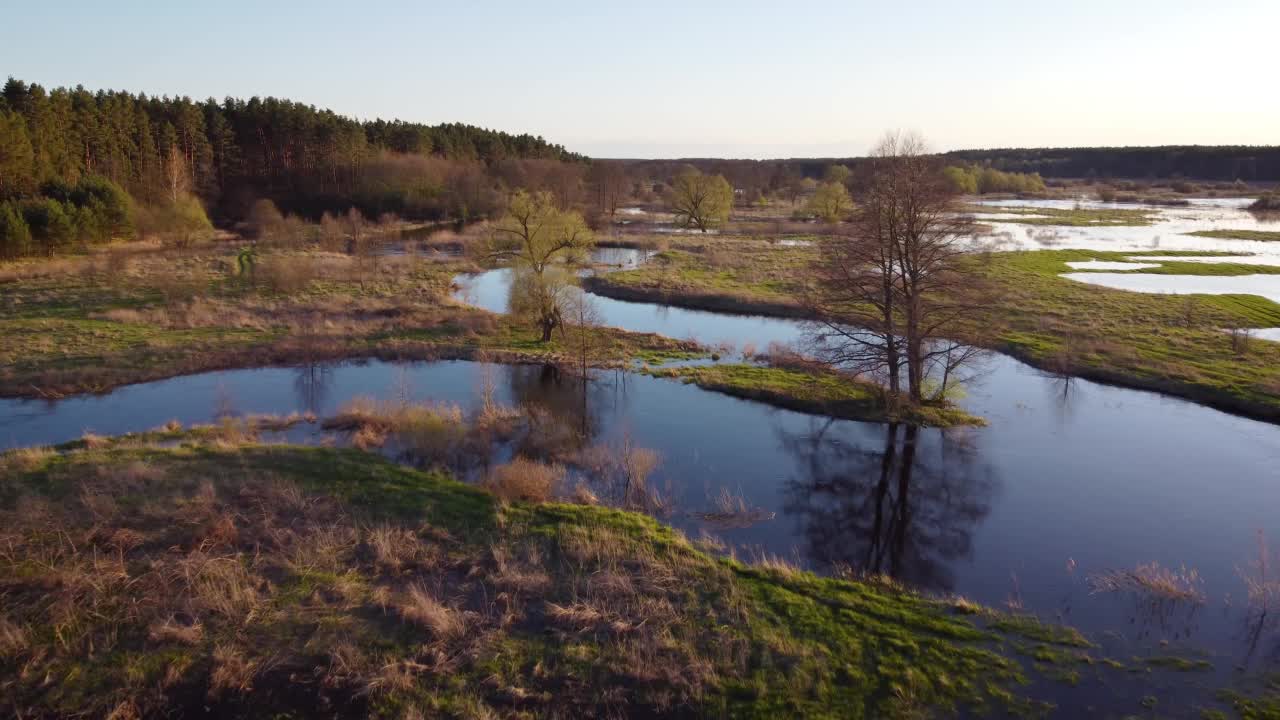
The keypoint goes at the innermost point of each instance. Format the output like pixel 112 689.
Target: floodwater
pixel 1267 286
pixel 1167 232
pixel 1070 478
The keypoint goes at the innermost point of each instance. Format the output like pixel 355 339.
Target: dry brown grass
pixel 222 585
pixel 171 630
pixel 40 269
pixel 1262 582
pixel 431 433
pixel 13 639
pixel 395 548
pixel 1152 581
pixel 207 566
pixel 231 671
pixel 24 459
pixel 523 479
pixel 420 607
pixel 284 274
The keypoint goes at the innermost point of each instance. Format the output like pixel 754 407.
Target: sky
pixel 697 78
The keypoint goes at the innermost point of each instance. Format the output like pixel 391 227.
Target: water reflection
pixel 565 409
pixel 311 383
pixel 905 507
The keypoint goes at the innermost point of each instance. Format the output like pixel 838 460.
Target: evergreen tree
pixel 17 158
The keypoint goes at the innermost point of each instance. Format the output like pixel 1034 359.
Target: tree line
pixel 167 151
pixel 1202 162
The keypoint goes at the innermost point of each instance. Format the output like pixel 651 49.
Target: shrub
pixel 15 234
pixel 286 274
pixel 523 479
pixel 180 222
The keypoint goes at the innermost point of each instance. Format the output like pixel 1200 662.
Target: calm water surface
pixel 1070 478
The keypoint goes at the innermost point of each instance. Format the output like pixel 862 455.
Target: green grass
pixel 1167 343
pixel 814 391
pixel 1260 235
pixel 754 641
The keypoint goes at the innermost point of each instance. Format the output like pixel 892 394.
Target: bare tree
pixel 176 176
pixel 608 181
pixel 582 320
pixel 892 294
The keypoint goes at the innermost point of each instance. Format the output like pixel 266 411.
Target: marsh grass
pixel 1262 583
pixel 1152 582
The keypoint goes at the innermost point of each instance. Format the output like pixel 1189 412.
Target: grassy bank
pixel 91 324
pixel 1166 343
pixel 284 581
pixel 814 391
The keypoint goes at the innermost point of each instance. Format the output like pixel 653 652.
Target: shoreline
pixel 720 302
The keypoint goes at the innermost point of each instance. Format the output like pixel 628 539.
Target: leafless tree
pixel 608 182
pixel 582 321
pixel 177 179
pixel 891 295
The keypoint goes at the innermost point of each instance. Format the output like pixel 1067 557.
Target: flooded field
pixel 1072 479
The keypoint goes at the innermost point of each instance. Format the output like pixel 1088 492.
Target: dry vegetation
pixel 550 456
pixel 1152 582
pixel 143 312
pixel 248 580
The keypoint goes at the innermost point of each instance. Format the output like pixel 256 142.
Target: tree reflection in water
pixel 565 410
pixel 311 383
pixel 905 509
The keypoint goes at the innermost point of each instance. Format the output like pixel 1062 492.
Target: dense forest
pixel 66 154
pixel 1195 162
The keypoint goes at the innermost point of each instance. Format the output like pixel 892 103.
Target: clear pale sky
pixel 673 79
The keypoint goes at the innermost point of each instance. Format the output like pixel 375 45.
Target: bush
pixel 52 227
pixel 286 274
pixel 523 479
pixel 180 223
pixel 15 235
pixel 92 210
